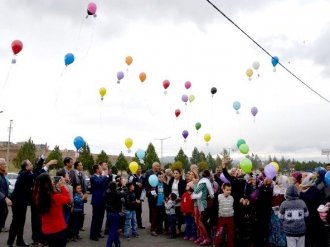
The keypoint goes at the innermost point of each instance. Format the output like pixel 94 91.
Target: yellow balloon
pixel 133 167
pixel 249 73
pixel 128 142
pixel 102 92
pixel 277 167
pixel 207 137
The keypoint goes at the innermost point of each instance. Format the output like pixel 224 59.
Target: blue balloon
pixel 78 142
pixel 153 180
pixel 275 61
pixel 237 105
pixel 140 154
pixel 68 59
pixel 327 178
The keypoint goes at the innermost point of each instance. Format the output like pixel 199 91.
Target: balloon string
pixel 91 40
pixel 7 76
pixel 79 34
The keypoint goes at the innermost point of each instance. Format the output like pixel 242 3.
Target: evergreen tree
pixel 211 162
pixel 177 165
pixel 26 151
pixel 202 166
pixel 183 158
pixel 226 154
pixel 218 161
pixel 56 154
pixel 202 157
pixel 122 163
pixel 86 158
pixel 194 156
pixel 102 157
pixel 151 157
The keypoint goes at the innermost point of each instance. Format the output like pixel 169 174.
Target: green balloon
pixel 240 142
pixel 198 125
pixel 244 148
pixel 246 165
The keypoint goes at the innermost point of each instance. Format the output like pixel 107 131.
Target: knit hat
pixel 292 193
pixel 297 176
pixel 308 181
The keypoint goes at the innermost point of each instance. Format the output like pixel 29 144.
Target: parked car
pixel 88 183
pixel 12 177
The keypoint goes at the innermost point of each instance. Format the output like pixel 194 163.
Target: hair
pixel 159 173
pixel 206 174
pixel 129 184
pixel 2 161
pixel 112 186
pixel 75 165
pixel 190 189
pixel 75 186
pixel 173 196
pixel 24 164
pixel 42 193
pixel 61 173
pixel 327 164
pixel 178 170
pixel 67 160
pixel 226 185
pixel 101 162
pixel 95 167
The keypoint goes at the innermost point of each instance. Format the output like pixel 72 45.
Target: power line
pixel 263 49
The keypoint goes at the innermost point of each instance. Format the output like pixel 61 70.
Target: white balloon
pixel 256 65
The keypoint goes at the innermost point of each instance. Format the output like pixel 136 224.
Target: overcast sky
pixel 178 40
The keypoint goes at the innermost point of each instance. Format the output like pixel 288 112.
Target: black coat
pixel 181 186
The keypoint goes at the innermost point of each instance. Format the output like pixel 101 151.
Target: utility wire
pixel 255 42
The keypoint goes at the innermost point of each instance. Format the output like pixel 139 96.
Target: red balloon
pixel 16 46
pixel 177 112
pixel 166 84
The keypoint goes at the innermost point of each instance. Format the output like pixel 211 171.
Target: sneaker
pixel 199 240
pixel 153 233
pixel 185 238
pixel 128 238
pixel 206 242
pixel 136 235
pixel 192 239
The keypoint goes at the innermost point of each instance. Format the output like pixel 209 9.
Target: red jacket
pixel 187 205
pixel 53 221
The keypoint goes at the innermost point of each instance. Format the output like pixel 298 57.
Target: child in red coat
pixel 187 209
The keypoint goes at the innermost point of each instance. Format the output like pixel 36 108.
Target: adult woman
pixel 177 186
pixel 49 198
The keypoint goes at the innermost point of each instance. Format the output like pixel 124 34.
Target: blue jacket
pixel 98 188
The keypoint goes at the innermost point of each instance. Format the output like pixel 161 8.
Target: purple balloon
pixel 185 134
pixel 224 179
pixel 120 75
pixel 270 171
pixel 184 98
pixel 254 111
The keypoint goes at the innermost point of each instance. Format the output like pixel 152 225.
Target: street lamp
pixel 161 146
pixel 10 128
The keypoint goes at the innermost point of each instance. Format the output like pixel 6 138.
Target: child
pixel 226 213
pixel 187 209
pixel 130 214
pixel 78 210
pixel 170 213
pixel 293 212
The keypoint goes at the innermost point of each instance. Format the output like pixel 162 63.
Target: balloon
pixel 166 84
pixel 270 171
pixel 78 142
pixel 198 125
pixel 275 164
pixel 191 98
pixel 237 106
pixel 249 73
pixel 244 148
pixel 185 134
pixel 184 98
pixel 224 179
pixel 275 61
pixel 91 9
pixel 153 180
pixel 68 59
pixel 177 112
pixel 207 137
pixel 327 178
pixel 254 111
pixel 128 143
pixel 246 165
pixel 256 65
pixel 240 142
pixel 120 76
pixel 128 60
pixel 133 167
pixel 213 90
pixel 142 76
pixel 16 46
pixel 187 84
pixel 102 92
pixel 140 154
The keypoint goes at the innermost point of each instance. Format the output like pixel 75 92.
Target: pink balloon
pixel 91 9
pixel 187 84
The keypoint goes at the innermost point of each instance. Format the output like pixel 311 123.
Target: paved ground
pixel 145 239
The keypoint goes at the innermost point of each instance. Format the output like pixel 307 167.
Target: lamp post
pixel 161 146
pixel 8 144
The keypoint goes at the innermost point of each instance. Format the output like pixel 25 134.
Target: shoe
pixel 141 227
pixel 79 238
pixel 192 239
pixel 75 240
pixel 82 229
pixel 22 244
pixel 100 236
pixel 185 238
pixel 127 238
pixel 153 233
pixel 94 239
pixel 199 240
pixel 4 229
pixel 206 242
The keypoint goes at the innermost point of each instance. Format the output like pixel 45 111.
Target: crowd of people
pixel 227 208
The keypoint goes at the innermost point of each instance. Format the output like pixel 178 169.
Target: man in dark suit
pixel 22 197
pixel 98 188
pixel 4 200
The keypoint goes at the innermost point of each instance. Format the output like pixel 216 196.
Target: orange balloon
pixel 129 60
pixel 143 76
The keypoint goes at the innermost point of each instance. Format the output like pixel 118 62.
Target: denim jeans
pixel 190 230
pixel 130 222
pixel 113 219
